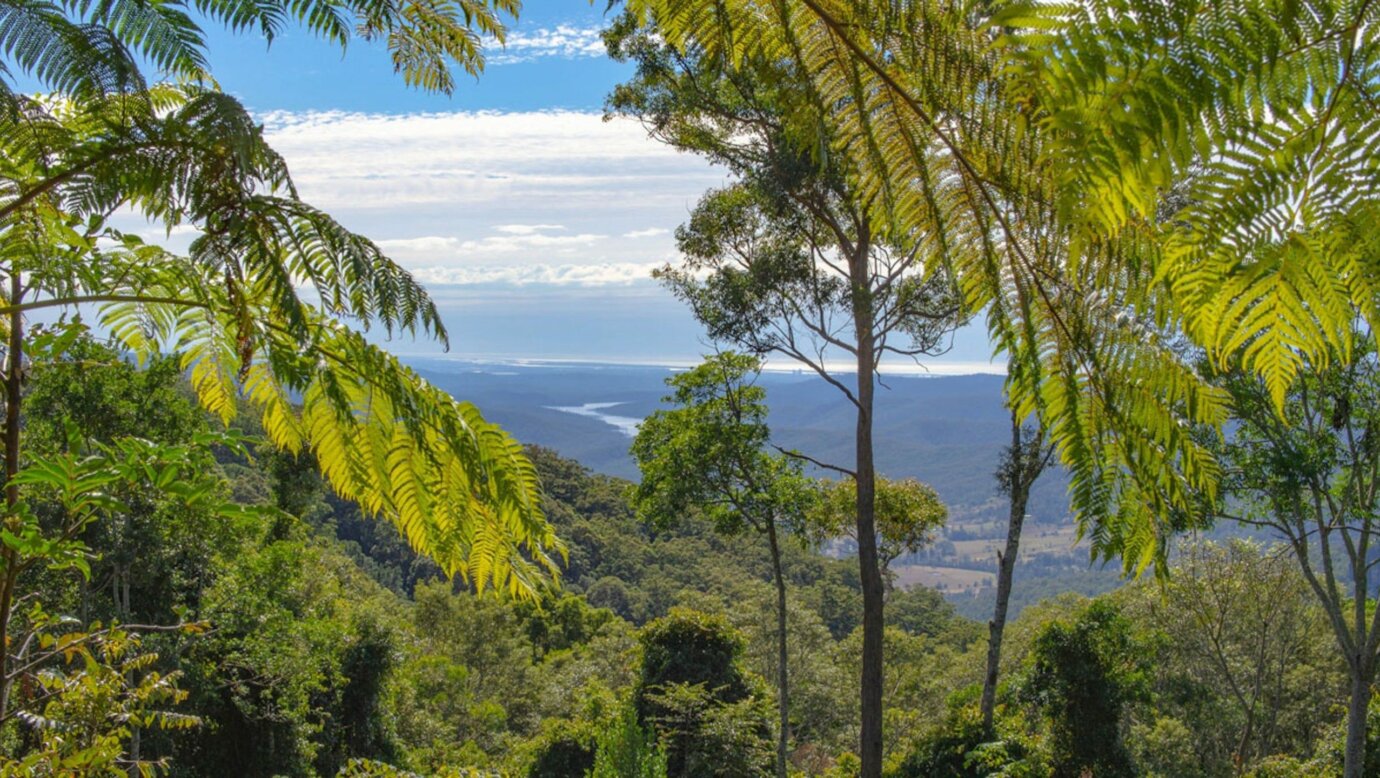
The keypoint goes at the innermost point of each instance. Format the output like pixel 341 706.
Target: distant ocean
pixel 488 363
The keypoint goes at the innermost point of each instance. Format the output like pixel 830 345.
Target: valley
pixel 944 430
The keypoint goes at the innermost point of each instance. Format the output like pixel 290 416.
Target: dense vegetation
pixel 313 637
pixel 239 538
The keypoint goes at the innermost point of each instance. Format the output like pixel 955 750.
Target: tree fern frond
pixel 1045 146
pixel 458 488
pixel 238 312
pixel 92 47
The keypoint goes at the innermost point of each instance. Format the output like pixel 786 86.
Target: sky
pixel 533 222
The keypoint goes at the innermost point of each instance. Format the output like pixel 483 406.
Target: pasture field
pixel 945 579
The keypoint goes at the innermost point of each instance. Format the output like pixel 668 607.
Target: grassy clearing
pixel 946 579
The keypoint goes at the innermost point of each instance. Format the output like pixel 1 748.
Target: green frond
pixel 1098 175
pixel 195 157
pixel 162 33
pixel 210 357
pixel 459 489
pixel 92 48
pixel 38 38
pixel 255 311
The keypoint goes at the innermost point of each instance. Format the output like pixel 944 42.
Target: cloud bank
pixel 583 275
pixel 530 244
pixel 542 197
pixel 650 232
pixel 539 162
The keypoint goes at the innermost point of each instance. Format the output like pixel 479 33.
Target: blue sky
pixel 534 223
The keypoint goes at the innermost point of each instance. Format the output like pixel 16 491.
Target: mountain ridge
pixel 945 430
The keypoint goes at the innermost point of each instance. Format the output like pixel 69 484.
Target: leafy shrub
pixel 694 693
pixel 566 750
pixel 625 750
pixel 962 748
pixel 1083 676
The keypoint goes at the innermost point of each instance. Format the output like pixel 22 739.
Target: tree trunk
pixel 14 378
pixel 135 747
pixel 1006 569
pixel 783 691
pixel 1361 676
pixel 869 568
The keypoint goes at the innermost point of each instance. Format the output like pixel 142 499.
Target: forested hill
pixel 307 637
pixel 324 639
pixel 945 430
pixel 318 637
pixel 515 686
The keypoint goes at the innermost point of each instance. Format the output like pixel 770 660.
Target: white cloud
pixel 435 247
pixel 528 229
pixel 559 197
pixel 163 235
pixel 650 232
pixel 429 244
pixel 564 41
pixel 513 165
pixel 601 274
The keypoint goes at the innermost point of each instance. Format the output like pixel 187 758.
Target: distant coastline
pixel 898 369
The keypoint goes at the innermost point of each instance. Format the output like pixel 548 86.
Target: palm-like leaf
pixel 196 157
pixel 92 48
pixel 915 98
pixel 254 311
pixel 458 488
pixel 1037 142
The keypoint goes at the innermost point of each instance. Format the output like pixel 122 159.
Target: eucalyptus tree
pixel 1022 462
pixel 710 454
pixel 788 260
pixel 776 281
pixel 1312 475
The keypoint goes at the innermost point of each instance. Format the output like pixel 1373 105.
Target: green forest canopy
pixel 1164 211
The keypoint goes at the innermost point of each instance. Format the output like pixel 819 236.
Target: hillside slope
pixel 945 430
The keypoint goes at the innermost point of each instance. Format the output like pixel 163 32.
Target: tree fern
pixel 458 488
pixel 93 48
pixel 1038 142
pixel 254 310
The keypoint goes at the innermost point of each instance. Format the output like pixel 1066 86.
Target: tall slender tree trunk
pixel 783 688
pixel 14 384
pixel 869 567
pixel 1362 675
pixel 1243 744
pixel 1006 570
